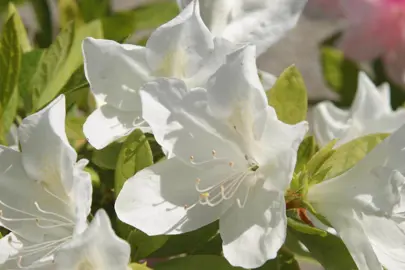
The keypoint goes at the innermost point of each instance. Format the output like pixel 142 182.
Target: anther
pixel 198 180
pixel 231 164
pixel 191 158
pixel 204 195
pixel 185 207
pixel 214 153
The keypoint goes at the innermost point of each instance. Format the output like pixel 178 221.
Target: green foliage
pixel 21 32
pixel 94 9
pixel 289 96
pixel 107 157
pixel 143 245
pixel 44 18
pixel 137 266
pixel 305 152
pixel 59 62
pixel 329 250
pixel 10 62
pixel 196 262
pixel 347 155
pixel 304 228
pixel 285 260
pixel 340 74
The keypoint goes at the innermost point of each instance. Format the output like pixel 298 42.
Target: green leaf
pixel 289 96
pixel 196 262
pixel 305 152
pixel 190 242
pixel 60 61
pixel 347 155
pixel 107 157
pixel 29 65
pixel 137 266
pixel 143 245
pixel 285 260
pixel 94 9
pixel 319 158
pixel 304 228
pixel 135 155
pixel 44 18
pixel 4 4
pixel 329 250
pixel 10 62
pixel 74 127
pixel 21 32
pixel 340 74
pixel 123 24
pixel 68 11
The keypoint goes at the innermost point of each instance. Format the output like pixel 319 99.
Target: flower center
pixel 228 186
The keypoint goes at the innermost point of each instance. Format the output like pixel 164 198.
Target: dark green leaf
pixel 68 12
pixel 143 245
pixel 44 18
pixel 196 262
pixel 94 9
pixel 285 260
pixel 329 250
pixel 289 96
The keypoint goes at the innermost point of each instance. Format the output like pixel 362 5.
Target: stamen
pixel 53 195
pixel 231 164
pixel 214 153
pixel 51 213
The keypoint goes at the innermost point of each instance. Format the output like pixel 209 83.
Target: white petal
pixel 47 156
pixel 115 72
pixel 8 245
pixel 263 22
pixel 96 248
pixel 236 86
pixel 160 199
pixel 268 80
pixel 253 234
pixel 12 138
pixel 180 47
pixel 107 124
pixel 18 198
pixel 328 122
pixel 368 102
pixel 180 122
pixel 387 123
pixel 81 195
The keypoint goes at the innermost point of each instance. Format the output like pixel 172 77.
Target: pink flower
pixel 376 29
pixel 323 9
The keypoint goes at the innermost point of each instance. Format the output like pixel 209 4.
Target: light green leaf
pixel 143 245
pixel 95 178
pixel 107 157
pixel 68 12
pixel 10 63
pixel 347 155
pixel 4 4
pixel 135 155
pixel 304 228
pixel 60 61
pixel 196 262
pixel 305 152
pixel 319 158
pixel 21 32
pixel 44 18
pixel 329 250
pixel 123 24
pixel 289 96
pixel 340 74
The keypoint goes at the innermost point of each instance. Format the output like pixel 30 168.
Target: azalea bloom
pixel 322 8
pixel 366 207
pixel 233 161
pixel 260 22
pixel 97 248
pixel 45 198
pixel 183 48
pixel 370 113
pixel 376 29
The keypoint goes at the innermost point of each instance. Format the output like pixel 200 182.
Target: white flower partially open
pixel 259 22
pixel 366 206
pixel 183 48
pixel 233 161
pixel 370 113
pixel 45 196
pixel 97 248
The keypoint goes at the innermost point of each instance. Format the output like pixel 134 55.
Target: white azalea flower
pixel 364 206
pixel 260 22
pixel 97 248
pixel 45 195
pixel 233 161
pixel 370 113
pixel 183 48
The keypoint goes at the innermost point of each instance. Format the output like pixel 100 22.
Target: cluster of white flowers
pixel 195 86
